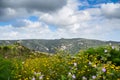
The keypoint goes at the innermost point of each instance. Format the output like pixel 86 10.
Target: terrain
pixel 18 62
pixel 71 45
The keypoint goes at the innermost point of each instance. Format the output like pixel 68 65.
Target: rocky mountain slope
pixel 71 45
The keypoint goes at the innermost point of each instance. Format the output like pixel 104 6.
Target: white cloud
pixel 111 10
pixel 62 17
pixel 8 14
pixel 34 30
pixel 70 23
pixel 67 17
pixel 11 9
pixel 89 23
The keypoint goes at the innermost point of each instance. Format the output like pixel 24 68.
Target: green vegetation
pixel 70 45
pixel 20 63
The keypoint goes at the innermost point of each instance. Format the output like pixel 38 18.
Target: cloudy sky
pixel 54 19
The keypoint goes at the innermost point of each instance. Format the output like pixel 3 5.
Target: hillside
pixel 17 62
pixel 17 51
pixel 50 46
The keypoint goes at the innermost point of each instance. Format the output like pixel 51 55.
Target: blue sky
pixel 54 19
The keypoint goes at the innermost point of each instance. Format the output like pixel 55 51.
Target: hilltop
pixel 50 46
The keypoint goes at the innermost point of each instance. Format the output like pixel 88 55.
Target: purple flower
pixel 103 69
pixel 41 77
pixel 33 78
pixel 93 77
pixel 73 76
pixel 113 47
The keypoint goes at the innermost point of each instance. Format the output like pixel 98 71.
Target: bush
pixel 93 64
pixel 5 69
pixel 63 66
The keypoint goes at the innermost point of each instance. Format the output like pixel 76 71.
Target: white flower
pixel 35 73
pixel 113 47
pixel 69 74
pixel 23 62
pixel 89 63
pixel 75 64
pixel 84 78
pixel 105 51
pixel 110 44
pixel 76 68
pixel 39 73
pixel 94 65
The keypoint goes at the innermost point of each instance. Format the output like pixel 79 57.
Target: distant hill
pixel 19 51
pixel 50 46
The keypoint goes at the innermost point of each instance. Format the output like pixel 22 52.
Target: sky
pixel 55 19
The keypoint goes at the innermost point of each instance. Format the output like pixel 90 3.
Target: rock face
pixel 71 45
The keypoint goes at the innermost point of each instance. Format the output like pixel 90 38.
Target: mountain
pixel 50 46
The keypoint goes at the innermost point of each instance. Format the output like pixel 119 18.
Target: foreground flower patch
pixel 92 64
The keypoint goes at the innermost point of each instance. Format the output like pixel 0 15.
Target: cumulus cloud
pixel 42 5
pixel 111 10
pixel 12 8
pixel 90 23
pixel 8 14
pixel 68 15
pixel 67 20
pixel 28 30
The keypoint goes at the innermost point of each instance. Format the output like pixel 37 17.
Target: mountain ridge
pixel 50 45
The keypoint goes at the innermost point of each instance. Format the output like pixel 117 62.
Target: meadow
pixel 102 63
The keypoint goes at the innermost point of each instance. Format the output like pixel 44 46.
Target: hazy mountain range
pixel 50 46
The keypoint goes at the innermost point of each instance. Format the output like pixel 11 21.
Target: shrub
pixel 5 69
pixel 93 64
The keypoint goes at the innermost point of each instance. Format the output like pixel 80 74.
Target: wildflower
pixel 105 51
pixel 89 63
pixel 41 77
pixel 103 69
pixel 84 78
pixel 93 77
pixel 69 74
pixel 33 78
pixel 76 68
pixel 5 57
pixel 73 76
pixel 75 64
pixel 113 47
pixel 35 73
pixel 23 62
pixel 94 66
pixel 39 73
pixel 110 44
